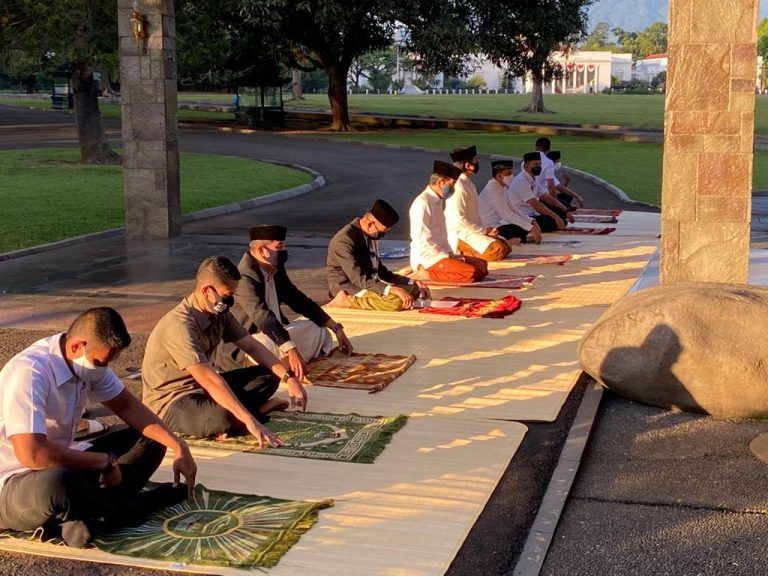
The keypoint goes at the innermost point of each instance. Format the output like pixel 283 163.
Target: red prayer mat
pixel 539 259
pixel 598 212
pixel 595 219
pixel 508 281
pixel 477 307
pixel 592 231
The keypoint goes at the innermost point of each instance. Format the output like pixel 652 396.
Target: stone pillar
pixel 708 141
pixel 150 140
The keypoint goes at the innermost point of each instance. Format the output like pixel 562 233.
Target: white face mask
pixel 558 165
pixel 507 180
pixel 86 370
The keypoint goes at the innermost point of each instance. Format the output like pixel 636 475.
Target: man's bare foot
pixel 274 404
pixel 514 242
pixel 341 300
pixel 420 274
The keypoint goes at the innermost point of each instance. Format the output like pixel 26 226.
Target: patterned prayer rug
pixel 477 307
pixel 595 219
pixel 214 529
pixel 371 372
pixel 535 259
pixel 338 437
pixel 562 243
pixel 598 212
pixel 508 281
pixel 592 231
pixel 218 528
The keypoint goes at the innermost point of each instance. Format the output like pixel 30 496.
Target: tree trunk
pixel 537 99
pixel 297 86
pixel 337 95
pixel 94 146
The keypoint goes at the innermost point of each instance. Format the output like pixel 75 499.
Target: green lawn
pixel 614 109
pixel 633 167
pixel 47 195
pixel 113 110
pixel 597 109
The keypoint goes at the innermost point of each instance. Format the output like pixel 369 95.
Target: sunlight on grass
pixel 47 195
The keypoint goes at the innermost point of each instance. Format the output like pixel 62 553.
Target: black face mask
pixel 536 170
pixel 223 304
pixel 475 167
pixel 282 258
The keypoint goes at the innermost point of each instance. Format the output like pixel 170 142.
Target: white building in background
pixel 583 72
pixel 651 66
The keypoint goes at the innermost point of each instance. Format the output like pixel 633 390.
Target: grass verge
pixel 47 195
pixel 634 167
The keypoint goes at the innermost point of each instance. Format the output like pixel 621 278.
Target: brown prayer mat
pixel 372 372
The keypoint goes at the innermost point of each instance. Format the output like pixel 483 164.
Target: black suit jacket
pixel 251 310
pixel 349 264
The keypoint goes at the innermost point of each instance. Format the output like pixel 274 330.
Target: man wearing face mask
pixel 496 212
pixel 522 197
pixel 431 255
pixel 357 278
pixel 567 197
pixel 264 287
pixel 466 235
pixel 47 480
pixel 546 187
pixel 185 388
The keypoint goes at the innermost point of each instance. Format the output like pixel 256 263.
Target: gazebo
pixel 62 96
pixel 259 100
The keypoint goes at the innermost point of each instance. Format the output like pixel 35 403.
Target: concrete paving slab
pixel 618 539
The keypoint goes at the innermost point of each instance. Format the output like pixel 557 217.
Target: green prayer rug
pixel 339 437
pixel 214 529
pixel 218 528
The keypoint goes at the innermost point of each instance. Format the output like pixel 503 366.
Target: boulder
pixel 697 347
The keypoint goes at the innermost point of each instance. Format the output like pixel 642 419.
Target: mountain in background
pixel 634 15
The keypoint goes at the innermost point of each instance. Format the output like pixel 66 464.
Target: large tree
pixel 328 34
pixel 522 36
pixel 82 33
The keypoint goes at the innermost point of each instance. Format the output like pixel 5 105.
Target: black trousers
pixel 200 416
pixel 38 497
pixel 546 223
pixel 510 231
pixel 565 200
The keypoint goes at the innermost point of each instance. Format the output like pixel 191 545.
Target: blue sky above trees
pixel 635 15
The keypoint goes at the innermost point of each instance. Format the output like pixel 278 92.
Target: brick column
pixel 150 138
pixel 708 141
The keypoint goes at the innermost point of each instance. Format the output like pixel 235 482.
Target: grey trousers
pixel 198 415
pixel 32 499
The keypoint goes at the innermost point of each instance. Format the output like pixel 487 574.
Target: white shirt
pixel 547 172
pixel 429 236
pixel 462 217
pixel 520 190
pixel 39 394
pixel 495 209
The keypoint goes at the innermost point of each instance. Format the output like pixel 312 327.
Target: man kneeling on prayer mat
pixel 466 235
pixel 523 197
pixel 496 212
pixel 264 287
pixel 68 489
pixel 567 197
pixel 357 278
pixel 183 386
pixel 431 254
